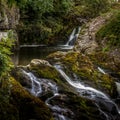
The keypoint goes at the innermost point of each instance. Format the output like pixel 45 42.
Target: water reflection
pixel 26 54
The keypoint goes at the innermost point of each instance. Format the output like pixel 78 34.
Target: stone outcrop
pixel 9 19
pixel 74 106
pixel 9 16
pixel 86 42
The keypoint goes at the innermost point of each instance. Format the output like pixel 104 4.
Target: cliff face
pixel 9 16
pixel 9 19
pixel 99 49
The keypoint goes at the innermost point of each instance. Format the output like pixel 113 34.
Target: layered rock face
pixel 98 51
pixel 9 16
pixel 9 19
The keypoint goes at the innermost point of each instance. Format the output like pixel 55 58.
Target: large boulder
pixel 82 65
pixel 17 104
pixel 28 106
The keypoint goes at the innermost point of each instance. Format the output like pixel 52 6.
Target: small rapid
pixel 36 88
pixel 99 97
pixel 48 89
pixel 39 86
pixel 91 91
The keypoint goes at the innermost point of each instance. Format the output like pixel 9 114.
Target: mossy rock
pixel 80 108
pixel 43 69
pixel 81 65
pixel 7 110
pixel 108 60
pixel 29 107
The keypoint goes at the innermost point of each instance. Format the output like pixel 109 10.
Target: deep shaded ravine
pixel 39 86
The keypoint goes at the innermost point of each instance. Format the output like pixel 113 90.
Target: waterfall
pixel 99 97
pixel 73 36
pixel 71 41
pixel 92 92
pixel 37 85
pixel 58 112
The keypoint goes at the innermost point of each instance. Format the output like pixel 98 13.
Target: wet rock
pixel 3 35
pixel 86 42
pixel 68 102
pixel 80 64
pixel 21 77
pixel 39 62
pixel 29 107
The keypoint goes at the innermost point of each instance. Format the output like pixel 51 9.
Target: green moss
pixel 110 32
pixel 45 71
pixel 28 105
pixel 83 66
pixel 7 110
pixel 105 60
pixel 82 107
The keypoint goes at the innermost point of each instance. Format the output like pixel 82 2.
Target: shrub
pixel 111 31
pixel 5 60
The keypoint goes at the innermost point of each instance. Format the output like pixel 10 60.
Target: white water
pixel 36 86
pixel 81 88
pixel 101 70
pixel 71 37
pixel 74 35
pixel 36 89
pixel 62 117
pixel 88 92
pixel 59 112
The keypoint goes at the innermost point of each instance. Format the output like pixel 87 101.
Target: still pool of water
pixel 25 54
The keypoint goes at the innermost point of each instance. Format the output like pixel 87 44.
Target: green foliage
pixel 62 6
pixel 90 8
pixel 47 21
pixel 110 32
pixel 36 8
pixel 5 47
pixel 20 3
pixel 42 21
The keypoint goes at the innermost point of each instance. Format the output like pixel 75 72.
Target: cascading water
pixel 73 37
pixel 35 84
pixel 91 93
pixel 117 84
pixel 37 89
